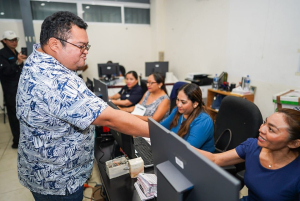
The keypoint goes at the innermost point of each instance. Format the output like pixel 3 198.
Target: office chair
pixel 122 70
pixel 237 120
pixel 143 84
pixel 174 92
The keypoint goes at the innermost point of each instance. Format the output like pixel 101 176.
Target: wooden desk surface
pixel 120 188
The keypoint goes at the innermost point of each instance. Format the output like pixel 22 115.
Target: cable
pixel 101 156
pixel 96 191
pixel 88 197
pixel 101 193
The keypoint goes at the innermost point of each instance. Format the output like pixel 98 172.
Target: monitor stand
pixel 172 182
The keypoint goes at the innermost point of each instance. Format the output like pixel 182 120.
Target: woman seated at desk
pixel 130 94
pixel 272 160
pixel 155 101
pixel 190 120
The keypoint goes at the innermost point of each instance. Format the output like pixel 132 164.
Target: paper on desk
pixel 148 184
pixel 140 192
pixel 150 179
pixel 239 90
pixel 139 110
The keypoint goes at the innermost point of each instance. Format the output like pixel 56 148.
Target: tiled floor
pixel 10 188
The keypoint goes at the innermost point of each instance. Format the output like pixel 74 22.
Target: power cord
pixel 85 185
pixel 101 156
pixel 101 191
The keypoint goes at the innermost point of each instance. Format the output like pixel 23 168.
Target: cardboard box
pixel 116 167
pixel 97 194
pixel 136 166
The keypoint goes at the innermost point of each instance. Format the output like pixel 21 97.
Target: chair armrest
pixel 230 169
pixel 240 175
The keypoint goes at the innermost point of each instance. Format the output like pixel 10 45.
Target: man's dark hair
pixel 59 25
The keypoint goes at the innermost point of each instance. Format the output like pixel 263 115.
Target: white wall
pixel 258 37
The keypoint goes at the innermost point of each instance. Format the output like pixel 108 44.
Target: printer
pixel 194 76
pixel 199 79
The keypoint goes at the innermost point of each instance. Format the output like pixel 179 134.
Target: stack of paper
pixel 146 186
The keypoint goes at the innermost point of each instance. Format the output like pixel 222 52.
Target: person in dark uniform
pixel 130 94
pixel 11 64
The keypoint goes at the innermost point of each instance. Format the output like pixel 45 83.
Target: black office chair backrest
pixel 241 117
pixel 174 92
pixel 122 70
pixel 143 85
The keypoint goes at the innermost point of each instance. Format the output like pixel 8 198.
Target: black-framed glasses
pixel 81 47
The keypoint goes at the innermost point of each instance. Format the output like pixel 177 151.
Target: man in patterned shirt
pixel 56 112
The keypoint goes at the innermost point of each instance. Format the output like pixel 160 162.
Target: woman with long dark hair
pixel 130 94
pixel 156 100
pixel 190 120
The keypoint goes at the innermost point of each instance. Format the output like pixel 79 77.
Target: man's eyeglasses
pixel 13 40
pixel 81 47
pixel 150 83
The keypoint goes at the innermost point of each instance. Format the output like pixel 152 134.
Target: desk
pixel 120 188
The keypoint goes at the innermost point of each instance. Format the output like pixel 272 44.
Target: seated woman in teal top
pixel 190 120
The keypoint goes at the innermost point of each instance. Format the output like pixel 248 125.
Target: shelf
pixel 210 96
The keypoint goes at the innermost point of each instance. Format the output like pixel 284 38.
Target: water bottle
pixel 247 83
pixel 215 82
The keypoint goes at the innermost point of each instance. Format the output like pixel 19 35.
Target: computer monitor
pixel 108 70
pixel 89 83
pixel 100 89
pixel 152 67
pixel 124 141
pixel 222 78
pixel 184 174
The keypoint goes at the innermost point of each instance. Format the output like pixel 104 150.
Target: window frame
pixel 105 3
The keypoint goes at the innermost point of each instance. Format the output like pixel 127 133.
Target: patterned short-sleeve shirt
pixel 55 109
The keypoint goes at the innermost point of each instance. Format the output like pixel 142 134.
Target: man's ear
pixel 294 144
pixel 54 45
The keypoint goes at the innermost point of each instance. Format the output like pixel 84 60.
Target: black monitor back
pixel 160 67
pixel 124 141
pixel 89 84
pixel 108 70
pixel 184 174
pixel 100 89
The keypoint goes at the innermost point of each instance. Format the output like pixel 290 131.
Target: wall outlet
pixel 161 56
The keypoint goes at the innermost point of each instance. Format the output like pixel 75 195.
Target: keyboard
pixel 144 151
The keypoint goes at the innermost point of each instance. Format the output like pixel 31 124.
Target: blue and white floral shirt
pixel 55 109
